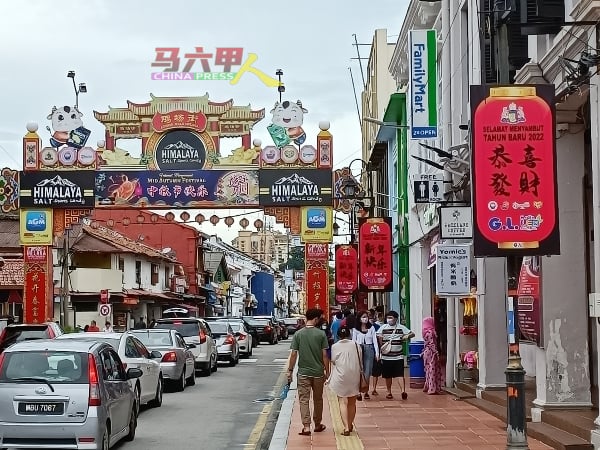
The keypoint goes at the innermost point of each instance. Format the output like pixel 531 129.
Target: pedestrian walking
pixel 140 325
pixel 309 348
pixel 391 336
pixel 344 381
pixel 364 335
pixel 93 327
pixel 335 325
pixel 434 377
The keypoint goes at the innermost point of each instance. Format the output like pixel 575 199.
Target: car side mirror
pixel 191 346
pixel 154 354
pixel 134 372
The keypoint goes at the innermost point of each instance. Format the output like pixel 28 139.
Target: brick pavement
pixel 420 422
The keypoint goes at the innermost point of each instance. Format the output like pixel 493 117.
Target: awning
pixel 14 297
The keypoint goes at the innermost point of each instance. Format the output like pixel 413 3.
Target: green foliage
pixel 295 261
pixel 69 329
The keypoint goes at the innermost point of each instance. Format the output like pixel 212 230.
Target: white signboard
pixel 105 310
pixel 453 269
pixel 456 222
pixel 423 84
pixel 429 188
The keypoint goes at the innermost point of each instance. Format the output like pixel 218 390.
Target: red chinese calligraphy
pixel 346 269
pixel 229 56
pixel 375 250
pixel 239 184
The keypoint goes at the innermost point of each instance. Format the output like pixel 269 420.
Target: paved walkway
pixel 420 422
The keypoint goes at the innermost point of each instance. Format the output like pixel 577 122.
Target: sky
pixel 111 45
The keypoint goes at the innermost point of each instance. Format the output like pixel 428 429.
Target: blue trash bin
pixel 416 364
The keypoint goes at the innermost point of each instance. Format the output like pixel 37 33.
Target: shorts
pixel 392 368
pixel 376 368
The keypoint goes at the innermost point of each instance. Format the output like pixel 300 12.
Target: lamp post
pixel 81 89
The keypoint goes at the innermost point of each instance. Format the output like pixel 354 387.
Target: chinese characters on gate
pixel 224 64
pixel 514 176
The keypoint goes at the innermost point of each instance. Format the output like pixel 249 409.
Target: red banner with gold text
pixel 37 306
pixel 316 257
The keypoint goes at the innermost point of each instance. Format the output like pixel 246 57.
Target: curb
pixel 282 427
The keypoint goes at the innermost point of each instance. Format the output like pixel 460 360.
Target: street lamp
pixel 384 124
pixel 82 89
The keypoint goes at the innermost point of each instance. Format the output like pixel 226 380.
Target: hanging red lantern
pixel 126 221
pixel 199 219
pixel 170 216
pixel 258 224
pixel 214 219
pixel 229 221
pixel 185 216
pixel 244 223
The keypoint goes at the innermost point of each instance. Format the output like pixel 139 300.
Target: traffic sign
pixel 428 188
pixel 105 310
pixel 104 296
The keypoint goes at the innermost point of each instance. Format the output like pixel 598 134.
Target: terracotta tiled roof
pixel 111 242
pixel 9 232
pixel 12 274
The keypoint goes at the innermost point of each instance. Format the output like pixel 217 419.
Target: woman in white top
pixel 344 380
pixel 364 335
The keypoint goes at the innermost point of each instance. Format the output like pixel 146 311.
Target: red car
pixel 28 331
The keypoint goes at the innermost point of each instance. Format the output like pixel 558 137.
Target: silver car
pixel 242 334
pixel 176 360
pixel 60 394
pixel 227 345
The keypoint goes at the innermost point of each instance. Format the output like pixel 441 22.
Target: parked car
pixel 148 388
pixel 274 323
pixel 28 331
pixel 249 328
pixel 283 333
pixel 176 360
pixel 292 324
pixel 265 329
pixel 195 331
pixel 227 346
pixel 242 334
pixel 58 394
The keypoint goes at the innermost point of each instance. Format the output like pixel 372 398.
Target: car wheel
pixel 181 382
pixel 232 362
pixel 105 445
pixel 132 425
pixel 215 364
pixel 137 400
pixel 158 398
pixel 251 351
pixel 191 381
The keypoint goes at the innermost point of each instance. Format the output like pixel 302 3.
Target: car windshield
pixel 236 326
pixel 92 337
pixel 260 322
pixel 23 333
pixel 290 321
pixel 219 327
pixel 154 339
pixel 49 366
pixel 186 329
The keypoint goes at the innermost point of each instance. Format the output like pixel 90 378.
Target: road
pixel 221 411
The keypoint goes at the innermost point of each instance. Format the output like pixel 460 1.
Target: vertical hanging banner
pixel 376 272
pixel 423 84
pixel 36 307
pixel 515 196
pixel 316 257
pixel 346 269
pixel 529 302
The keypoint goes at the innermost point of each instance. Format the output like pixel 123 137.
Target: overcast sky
pixel 111 45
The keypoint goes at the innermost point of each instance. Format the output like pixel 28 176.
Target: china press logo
pixel 316 218
pixel 35 221
pixel 200 65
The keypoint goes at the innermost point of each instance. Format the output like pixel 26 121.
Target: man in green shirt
pixel 309 348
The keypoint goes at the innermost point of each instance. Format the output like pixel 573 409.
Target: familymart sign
pixel 423 84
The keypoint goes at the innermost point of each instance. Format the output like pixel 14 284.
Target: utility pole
pixel 65 281
pixel 289 285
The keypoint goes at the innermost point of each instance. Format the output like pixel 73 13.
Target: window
pixel 121 264
pixel 154 274
pixel 167 278
pixel 131 350
pixel 138 272
pixel 141 348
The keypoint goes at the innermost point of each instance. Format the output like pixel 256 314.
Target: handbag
pixel 387 346
pixel 364 384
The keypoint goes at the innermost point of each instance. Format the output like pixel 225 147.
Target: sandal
pixel 304 433
pixel 320 428
pixel 367 397
pixel 389 396
pixel 346 433
pixel 359 397
pixel 374 392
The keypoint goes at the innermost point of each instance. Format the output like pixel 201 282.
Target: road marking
pixel 246 361
pixel 351 442
pixel 281 360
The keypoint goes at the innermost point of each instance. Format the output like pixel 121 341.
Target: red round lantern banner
pixel 514 171
pixel 346 269
pixel 375 250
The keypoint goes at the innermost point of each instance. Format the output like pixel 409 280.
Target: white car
pixel 148 388
pixel 242 335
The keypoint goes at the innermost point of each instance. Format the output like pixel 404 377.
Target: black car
pixel 292 324
pixel 265 329
pixel 250 328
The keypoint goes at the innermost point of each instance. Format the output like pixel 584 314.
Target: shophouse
pixel 11 268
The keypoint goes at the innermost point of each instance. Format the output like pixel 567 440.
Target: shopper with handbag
pixel 346 379
pixel 392 336
pixel 364 335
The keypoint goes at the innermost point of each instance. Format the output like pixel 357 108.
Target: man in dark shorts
pixel 393 362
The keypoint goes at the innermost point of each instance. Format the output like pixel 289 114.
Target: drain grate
pixel 264 400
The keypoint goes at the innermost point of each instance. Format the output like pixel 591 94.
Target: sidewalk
pixel 420 422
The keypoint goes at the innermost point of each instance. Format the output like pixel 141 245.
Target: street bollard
pixel 516 422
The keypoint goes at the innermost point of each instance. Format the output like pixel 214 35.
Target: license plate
pixel 43 409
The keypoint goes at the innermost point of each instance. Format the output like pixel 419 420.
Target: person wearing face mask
pixel 393 361
pixel 364 335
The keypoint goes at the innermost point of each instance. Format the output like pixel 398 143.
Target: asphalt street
pixel 231 409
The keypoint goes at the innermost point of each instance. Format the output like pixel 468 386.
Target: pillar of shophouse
pixel 562 367
pixel 492 338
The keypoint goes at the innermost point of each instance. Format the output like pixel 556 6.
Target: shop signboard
pixel 191 188
pixel 316 223
pixel 515 198
pixel 35 226
pixel 316 275
pixel 529 302
pixel 295 187
pixel 376 272
pixel 346 268
pixel 66 189
pixel 35 289
pixel 456 222
pixel 423 51
pixel 453 269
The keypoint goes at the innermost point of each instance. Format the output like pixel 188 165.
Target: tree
pixel 295 260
